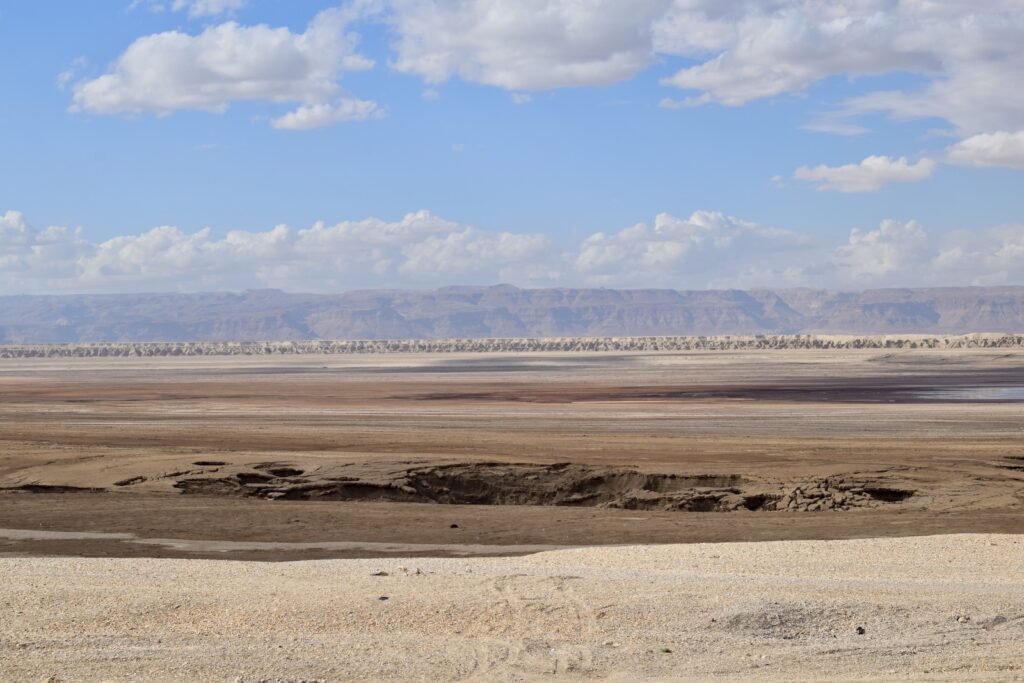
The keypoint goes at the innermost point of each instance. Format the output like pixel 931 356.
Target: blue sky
pixel 491 143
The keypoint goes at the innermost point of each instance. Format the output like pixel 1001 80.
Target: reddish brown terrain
pixel 365 455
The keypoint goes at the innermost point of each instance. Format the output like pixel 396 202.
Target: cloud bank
pixel 968 55
pixel 706 249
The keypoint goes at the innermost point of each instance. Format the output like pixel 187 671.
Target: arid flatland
pixel 298 457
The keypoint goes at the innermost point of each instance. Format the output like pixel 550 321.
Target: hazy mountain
pixel 504 311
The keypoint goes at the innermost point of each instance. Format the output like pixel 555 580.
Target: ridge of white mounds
pixel 515 344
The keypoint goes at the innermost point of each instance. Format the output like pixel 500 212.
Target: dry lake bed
pixel 478 493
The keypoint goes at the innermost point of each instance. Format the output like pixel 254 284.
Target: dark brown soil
pixel 308 522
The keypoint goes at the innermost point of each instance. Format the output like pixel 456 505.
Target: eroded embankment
pixel 492 483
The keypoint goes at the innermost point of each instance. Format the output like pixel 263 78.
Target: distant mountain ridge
pixel 504 311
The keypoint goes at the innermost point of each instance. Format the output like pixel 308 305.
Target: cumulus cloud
pixel 707 249
pixel 990 149
pixel 524 45
pixel 419 249
pixel 966 55
pixel 472 252
pixel 905 254
pixel 748 49
pixel 869 175
pixel 320 115
pixel 165 72
pixel 969 53
pixel 35 260
pixel 984 257
pixel 895 248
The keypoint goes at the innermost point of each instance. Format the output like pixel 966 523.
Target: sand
pixel 938 608
pixel 494 517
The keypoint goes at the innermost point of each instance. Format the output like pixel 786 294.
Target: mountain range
pixel 504 311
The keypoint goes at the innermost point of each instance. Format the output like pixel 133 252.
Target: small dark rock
pixel 383 598
pixel 454 526
pixel 860 630
pixel 666 650
pixel 380 574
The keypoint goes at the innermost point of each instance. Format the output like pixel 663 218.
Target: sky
pixel 199 145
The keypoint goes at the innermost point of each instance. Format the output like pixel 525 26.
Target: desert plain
pixel 790 514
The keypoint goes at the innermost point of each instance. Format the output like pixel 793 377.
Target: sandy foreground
pixel 947 608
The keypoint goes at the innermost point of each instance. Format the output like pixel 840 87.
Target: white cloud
pixel 895 248
pixel 835 123
pixel 707 249
pixel 320 115
pixel 970 53
pixel 904 254
pixel 67 75
pixel 990 149
pixel 165 72
pixel 37 260
pixel 751 50
pixel 983 257
pixel 974 96
pixel 207 8
pixel 64 77
pixel 869 175
pixel 471 252
pixel 524 45
pixel 197 9
pixel 419 249
pixel 967 54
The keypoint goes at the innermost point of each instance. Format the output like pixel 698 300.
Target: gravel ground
pixel 942 608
